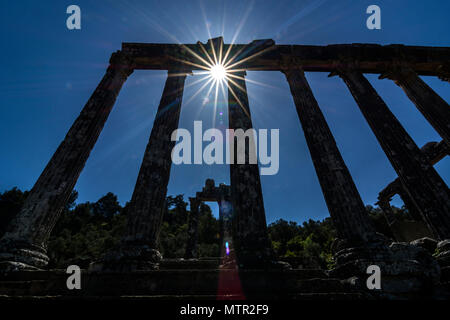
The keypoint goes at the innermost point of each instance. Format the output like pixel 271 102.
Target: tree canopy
pixel 85 231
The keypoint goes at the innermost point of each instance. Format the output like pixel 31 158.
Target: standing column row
pixel 24 244
pixel 138 248
pixel 250 236
pixel 422 183
pixel 343 200
pixel 435 109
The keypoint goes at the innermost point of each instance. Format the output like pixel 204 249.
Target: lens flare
pixel 218 72
pixel 220 69
pixel 227 248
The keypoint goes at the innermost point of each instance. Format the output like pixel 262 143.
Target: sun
pixel 218 72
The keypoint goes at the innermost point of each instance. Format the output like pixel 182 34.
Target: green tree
pixel 10 203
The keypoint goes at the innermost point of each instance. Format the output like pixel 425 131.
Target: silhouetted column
pixel 250 238
pixel 429 103
pixel 138 250
pixel 343 200
pixel 24 244
pixel 192 242
pixel 421 181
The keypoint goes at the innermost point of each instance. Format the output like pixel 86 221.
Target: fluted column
pixel 251 240
pixel 421 181
pixel 343 200
pixel 435 109
pixel 24 244
pixel 192 243
pixel 138 249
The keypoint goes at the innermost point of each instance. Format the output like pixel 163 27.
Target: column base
pixel 191 254
pixel 251 260
pixel 16 255
pixel 128 258
pixel 443 258
pixel 228 261
pixel 405 268
pixel 427 243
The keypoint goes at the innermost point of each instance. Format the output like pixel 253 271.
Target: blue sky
pixel 49 72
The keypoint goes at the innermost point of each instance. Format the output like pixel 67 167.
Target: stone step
pixel 211 263
pixel 32 275
pixel 23 287
pixel 299 296
pixel 176 282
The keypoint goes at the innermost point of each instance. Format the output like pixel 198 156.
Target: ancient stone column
pixel 343 200
pixel 396 187
pixel 385 206
pixel 24 244
pixel 421 181
pixel 414 212
pixel 250 238
pixel 192 243
pixel 435 152
pixel 138 250
pixel 435 109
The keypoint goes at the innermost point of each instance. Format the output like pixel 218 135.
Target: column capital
pixel 289 64
pixel 240 73
pixel 444 72
pixel 398 71
pixel 344 67
pixel 289 70
pixel 121 63
pixel 179 69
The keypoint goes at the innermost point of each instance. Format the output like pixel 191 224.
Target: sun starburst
pixel 218 70
pixel 222 67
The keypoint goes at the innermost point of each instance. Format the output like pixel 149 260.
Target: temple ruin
pixel 220 194
pixel 24 244
pixel 416 228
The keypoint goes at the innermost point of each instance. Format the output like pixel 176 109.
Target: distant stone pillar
pixel 414 212
pixel 387 210
pixel 138 250
pixel 251 240
pixel 192 243
pixel 343 200
pixel 24 244
pixel 421 181
pixel 225 220
pixel 435 109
